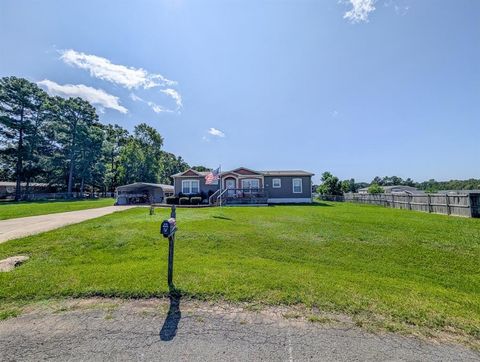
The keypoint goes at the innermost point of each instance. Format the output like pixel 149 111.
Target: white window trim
pixel 279 183
pixel 250 179
pixel 190 183
pixel 293 186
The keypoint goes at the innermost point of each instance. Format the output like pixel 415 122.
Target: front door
pixel 230 185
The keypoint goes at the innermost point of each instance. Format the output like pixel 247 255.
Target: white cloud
pixel 360 10
pixel 102 68
pixel 135 98
pixel 155 107
pixel 93 95
pixel 216 132
pixel 335 114
pixel 175 95
pixel 401 10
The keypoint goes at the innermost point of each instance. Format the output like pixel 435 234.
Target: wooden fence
pixel 466 205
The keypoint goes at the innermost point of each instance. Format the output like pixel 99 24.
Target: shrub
pixel 184 201
pixel 171 200
pixel 195 200
pixel 375 189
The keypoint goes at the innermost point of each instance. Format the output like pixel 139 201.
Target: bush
pixel 171 200
pixel 375 189
pixel 184 201
pixel 195 200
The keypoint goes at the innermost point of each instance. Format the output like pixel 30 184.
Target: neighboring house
pixel 7 188
pixel 394 189
pixel 246 186
pixel 142 193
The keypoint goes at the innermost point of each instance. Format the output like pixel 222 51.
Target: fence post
pixel 409 201
pixel 469 204
pixel 446 204
pixel 429 207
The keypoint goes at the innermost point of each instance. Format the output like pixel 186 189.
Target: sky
pixel 359 88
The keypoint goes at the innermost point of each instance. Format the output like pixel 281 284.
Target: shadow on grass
pixel 222 217
pixel 24 202
pixel 313 204
pixel 170 325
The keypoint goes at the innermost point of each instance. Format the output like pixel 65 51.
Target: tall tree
pixel 150 143
pixel 201 168
pixel 330 185
pixel 141 158
pixel 74 117
pixel 349 186
pixel 171 165
pixel 37 140
pixel 90 168
pixel 115 139
pixel 20 102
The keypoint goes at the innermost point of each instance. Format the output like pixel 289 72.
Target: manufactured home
pixel 246 186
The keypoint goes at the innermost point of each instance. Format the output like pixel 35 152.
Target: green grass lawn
pixel 396 267
pixel 11 210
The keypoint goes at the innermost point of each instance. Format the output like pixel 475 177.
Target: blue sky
pixel 360 88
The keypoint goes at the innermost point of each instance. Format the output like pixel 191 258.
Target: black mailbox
pixel 168 227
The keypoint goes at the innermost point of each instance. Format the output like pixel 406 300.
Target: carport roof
pixel 143 184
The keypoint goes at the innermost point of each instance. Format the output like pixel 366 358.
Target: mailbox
pixel 168 227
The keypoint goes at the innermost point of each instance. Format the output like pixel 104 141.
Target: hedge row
pixel 175 200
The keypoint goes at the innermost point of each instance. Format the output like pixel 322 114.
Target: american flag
pixel 212 177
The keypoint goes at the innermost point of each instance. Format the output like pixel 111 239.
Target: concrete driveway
pixel 159 330
pixel 24 226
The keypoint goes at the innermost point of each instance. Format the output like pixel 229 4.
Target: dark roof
pixel 287 173
pixel 199 173
pixel 265 173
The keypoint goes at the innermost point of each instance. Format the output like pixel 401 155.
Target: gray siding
pixel 286 189
pixel 177 182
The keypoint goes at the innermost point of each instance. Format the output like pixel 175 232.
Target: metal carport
pixel 142 193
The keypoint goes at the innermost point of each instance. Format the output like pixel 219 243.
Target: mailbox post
pixel 168 229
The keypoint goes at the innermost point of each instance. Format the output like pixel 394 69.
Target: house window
pixel 276 183
pixel 297 185
pixel 190 186
pixel 250 183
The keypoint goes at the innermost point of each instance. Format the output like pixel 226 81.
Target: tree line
pixel 61 142
pixel 331 185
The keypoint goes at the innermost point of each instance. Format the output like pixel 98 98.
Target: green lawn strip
pixel 12 210
pixel 399 267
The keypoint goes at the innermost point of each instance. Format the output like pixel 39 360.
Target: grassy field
pixel 387 267
pixel 11 210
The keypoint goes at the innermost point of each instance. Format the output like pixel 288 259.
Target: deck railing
pixel 246 195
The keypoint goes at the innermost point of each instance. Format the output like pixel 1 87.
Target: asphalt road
pixel 24 226
pixel 191 331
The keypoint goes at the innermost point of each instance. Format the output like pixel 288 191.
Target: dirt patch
pixel 11 263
